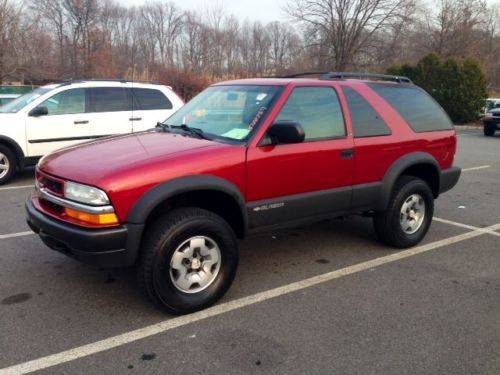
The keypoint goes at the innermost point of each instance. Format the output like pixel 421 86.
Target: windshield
pixel 226 112
pixel 17 104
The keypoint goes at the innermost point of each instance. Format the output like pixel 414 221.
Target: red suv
pixel 245 156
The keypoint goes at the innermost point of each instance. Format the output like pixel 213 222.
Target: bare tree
pixel 344 27
pixel 9 33
pixel 163 21
pixel 452 30
pixel 282 40
pixel 52 11
pixel 56 39
pixel 194 44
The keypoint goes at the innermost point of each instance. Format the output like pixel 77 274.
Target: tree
pixel 163 20
pixel 343 28
pixel 10 16
pixel 52 12
pixel 459 87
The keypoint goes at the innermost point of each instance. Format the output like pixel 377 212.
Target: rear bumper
pixel 115 247
pixel 449 178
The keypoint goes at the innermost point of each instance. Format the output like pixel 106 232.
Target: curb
pixel 468 127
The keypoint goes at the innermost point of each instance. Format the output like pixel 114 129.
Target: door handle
pixel 347 154
pixel 135 119
pixel 81 122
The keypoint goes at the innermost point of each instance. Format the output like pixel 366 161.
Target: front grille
pixel 51 207
pixel 52 184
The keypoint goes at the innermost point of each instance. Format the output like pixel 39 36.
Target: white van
pixel 61 115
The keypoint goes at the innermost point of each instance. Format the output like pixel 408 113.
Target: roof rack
pixel 305 74
pixel 70 81
pixel 347 75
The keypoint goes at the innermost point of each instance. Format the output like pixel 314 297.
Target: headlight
pixel 85 194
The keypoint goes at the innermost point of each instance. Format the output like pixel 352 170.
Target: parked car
pixel 7 98
pixel 489 104
pixel 491 122
pixel 65 114
pixel 246 156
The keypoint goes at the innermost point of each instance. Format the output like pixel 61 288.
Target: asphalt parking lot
pixel 324 299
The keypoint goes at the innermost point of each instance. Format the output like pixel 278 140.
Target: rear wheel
pixel 7 164
pixel 406 220
pixel 189 260
pixel 489 130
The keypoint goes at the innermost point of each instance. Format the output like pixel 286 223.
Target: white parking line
pixel 466 226
pixel 17 187
pixel 12 235
pixel 475 168
pixel 460 225
pixel 167 325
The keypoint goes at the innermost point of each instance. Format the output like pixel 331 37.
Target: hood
pixel 90 162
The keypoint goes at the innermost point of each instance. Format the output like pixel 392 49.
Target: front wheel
pixel 7 164
pixel 189 260
pixel 489 131
pixel 407 219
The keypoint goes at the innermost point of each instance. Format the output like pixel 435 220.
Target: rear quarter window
pixel 419 109
pixel 366 122
pixel 150 99
pixel 109 99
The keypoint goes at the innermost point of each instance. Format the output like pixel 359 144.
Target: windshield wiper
pixel 162 126
pixel 194 131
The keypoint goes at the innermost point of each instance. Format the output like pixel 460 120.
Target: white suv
pixel 61 115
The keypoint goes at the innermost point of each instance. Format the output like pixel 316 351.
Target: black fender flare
pixel 15 147
pixel 155 196
pixel 396 170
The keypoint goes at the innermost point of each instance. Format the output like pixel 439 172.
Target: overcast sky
pixel 262 10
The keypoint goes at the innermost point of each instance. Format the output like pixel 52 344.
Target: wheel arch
pixel 14 147
pixel 204 191
pixel 418 164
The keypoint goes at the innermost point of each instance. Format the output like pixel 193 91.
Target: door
pixel 290 182
pixel 151 106
pixel 65 123
pixel 110 111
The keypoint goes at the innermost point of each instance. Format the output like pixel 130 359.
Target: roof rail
pixel 70 81
pixel 377 77
pixel 347 75
pixel 305 74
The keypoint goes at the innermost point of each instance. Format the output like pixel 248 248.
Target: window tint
pixel 317 109
pixel 110 99
pixel 66 102
pixel 366 122
pixel 417 107
pixel 148 99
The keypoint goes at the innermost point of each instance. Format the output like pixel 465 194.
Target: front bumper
pixel 449 178
pixel 492 122
pixel 110 247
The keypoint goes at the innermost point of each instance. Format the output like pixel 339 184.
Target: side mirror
pixel 284 132
pixel 39 111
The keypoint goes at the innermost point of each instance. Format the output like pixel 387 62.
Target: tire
pixel 489 131
pixel 409 192
pixel 8 164
pixel 163 274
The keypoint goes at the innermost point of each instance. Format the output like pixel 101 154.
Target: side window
pixel 66 102
pixel 149 99
pixel 317 109
pixel 366 122
pixel 417 107
pixel 109 99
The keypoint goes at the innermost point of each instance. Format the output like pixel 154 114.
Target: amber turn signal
pixel 96 219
